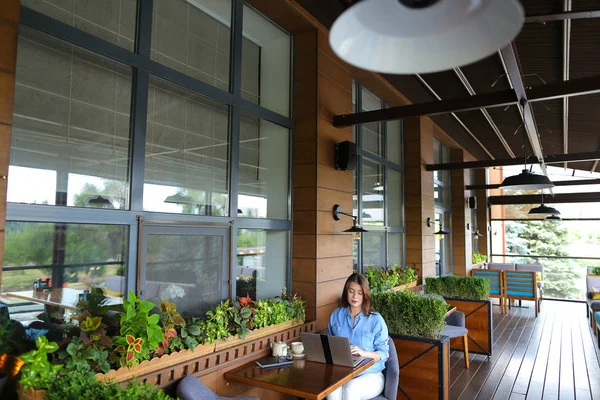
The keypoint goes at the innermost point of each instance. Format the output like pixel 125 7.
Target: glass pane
pixel 373 247
pixel 70 136
pixel 193 37
pixel 264 169
pixel 373 193
pixel 447 244
pixel 395 198
pixel 567 210
pixel 262 259
pixel 111 20
pixel 394 148
pixel 354 91
pixel 75 256
pixel 266 51
pixel 187 269
pixel 396 249
pixel 372 133
pixel 187 152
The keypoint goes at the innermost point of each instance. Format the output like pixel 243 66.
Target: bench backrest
pixel 531 267
pixel 520 284
pixel 495 278
pixel 502 266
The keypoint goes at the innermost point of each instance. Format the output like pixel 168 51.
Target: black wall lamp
pixel 355 229
pixel 429 222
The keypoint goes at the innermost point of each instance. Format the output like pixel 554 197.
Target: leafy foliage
pixel 38 372
pixel 596 271
pixel 243 313
pixel 138 324
pixel 407 313
pixel 170 320
pixel 216 324
pixel 74 385
pixel 12 337
pixel 478 257
pixel 387 278
pixel 462 287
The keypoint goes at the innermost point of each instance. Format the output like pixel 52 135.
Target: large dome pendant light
pixel 543 209
pixel 423 36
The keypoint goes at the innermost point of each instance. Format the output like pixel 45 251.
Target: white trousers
pixel 362 387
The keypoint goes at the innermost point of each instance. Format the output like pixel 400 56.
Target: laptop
pixel 329 350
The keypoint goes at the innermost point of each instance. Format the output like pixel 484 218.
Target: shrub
pixel 407 313
pixel 462 287
pixel 596 271
pixel 386 278
pixel 478 257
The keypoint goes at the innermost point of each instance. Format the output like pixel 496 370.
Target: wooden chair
pixel 521 285
pixel 496 279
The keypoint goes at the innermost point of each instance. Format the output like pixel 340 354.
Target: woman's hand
pixel 357 351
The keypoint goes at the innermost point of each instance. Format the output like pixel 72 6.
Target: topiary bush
pixel 462 287
pixel 407 313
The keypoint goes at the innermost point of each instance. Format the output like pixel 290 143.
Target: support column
pixel 9 28
pixel 461 216
pixel 420 241
pixel 482 211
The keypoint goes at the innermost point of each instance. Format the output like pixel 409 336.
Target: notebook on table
pixel 271 362
pixel 329 350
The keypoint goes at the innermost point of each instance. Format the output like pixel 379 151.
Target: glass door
pixel 188 265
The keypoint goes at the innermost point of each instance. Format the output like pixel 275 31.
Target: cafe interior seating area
pixel 186 187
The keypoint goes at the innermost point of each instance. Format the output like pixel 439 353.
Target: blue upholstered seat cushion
pixel 597 317
pixel 454 331
pixel 595 305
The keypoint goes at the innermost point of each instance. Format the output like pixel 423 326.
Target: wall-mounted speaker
pixel 345 156
pixel 472 202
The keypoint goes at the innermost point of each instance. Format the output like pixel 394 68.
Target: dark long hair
pixel 367 306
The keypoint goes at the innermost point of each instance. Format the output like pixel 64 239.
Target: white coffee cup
pixel 297 348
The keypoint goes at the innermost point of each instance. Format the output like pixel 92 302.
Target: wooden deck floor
pixel 553 356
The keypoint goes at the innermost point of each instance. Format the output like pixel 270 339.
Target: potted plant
pixel 12 343
pixel 37 372
pixel 391 278
pixel 470 295
pixel 415 324
pixel 478 259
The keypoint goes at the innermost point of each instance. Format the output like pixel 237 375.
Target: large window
pixel 378 193
pixel 177 114
pixel 443 210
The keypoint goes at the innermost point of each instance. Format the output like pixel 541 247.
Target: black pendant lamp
pixel 526 180
pixel 179 198
pixel 553 218
pixel 99 201
pixel 543 209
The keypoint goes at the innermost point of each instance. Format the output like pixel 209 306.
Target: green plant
pixel 596 271
pixel 216 324
pixel 171 319
pixel 407 313
pixel 463 287
pixel 243 313
pixel 38 372
pixel 478 257
pixel 381 279
pixel 75 385
pixel 190 335
pixel 407 275
pixel 12 338
pixel 139 330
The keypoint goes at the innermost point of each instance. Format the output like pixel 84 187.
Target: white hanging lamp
pixel 422 36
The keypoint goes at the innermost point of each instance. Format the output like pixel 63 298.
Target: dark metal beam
pixel 550 159
pixel 586 197
pixel 550 91
pixel 556 183
pixel 563 16
pixel 566 29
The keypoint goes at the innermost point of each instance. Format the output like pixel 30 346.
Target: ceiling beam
pixel 556 183
pixel 550 159
pixel 460 122
pixel 510 60
pixel 550 91
pixel 461 76
pixel 594 167
pixel 563 16
pixel 586 197
pixel 566 29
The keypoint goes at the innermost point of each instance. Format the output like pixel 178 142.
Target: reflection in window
pixel 187 148
pixel 71 117
pixel 373 193
pixel 264 169
pixel 373 247
pixel 372 132
pixel 76 256
pixel 261 263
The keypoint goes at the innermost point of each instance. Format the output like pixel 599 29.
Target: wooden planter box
pixel 405 287
pixel 256 333
pixel 478 320
pixel 166 371
pixel 30 394
pixel 424 366
pixel 478 265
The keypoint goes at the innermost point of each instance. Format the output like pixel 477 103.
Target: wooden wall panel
pixel 329 246
pixel 329 292
pixel 9 26
pixel 304 269
pixel 333 268
pixel 461 237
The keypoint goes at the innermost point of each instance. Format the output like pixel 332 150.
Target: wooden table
pixel 65 297
pixel 304 379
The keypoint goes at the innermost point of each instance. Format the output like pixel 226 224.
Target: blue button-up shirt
pixel 369 333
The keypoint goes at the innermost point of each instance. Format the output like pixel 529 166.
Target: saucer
pixel 298 356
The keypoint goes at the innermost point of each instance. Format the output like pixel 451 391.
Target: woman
pixel 368 335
